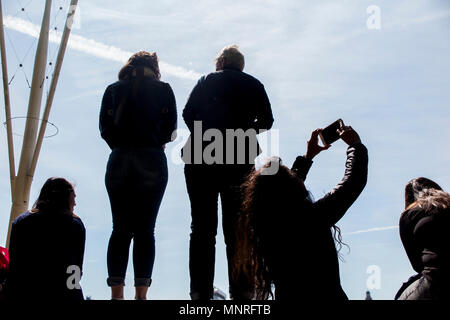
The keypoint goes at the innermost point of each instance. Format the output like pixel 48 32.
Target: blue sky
pixel 318 62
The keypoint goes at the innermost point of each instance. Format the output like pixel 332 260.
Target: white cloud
pixel 372 230
pixel 95 48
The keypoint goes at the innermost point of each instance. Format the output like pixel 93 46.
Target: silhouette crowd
pixel 280 243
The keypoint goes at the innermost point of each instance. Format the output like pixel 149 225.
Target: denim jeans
pixel 204 184
pixel 135 179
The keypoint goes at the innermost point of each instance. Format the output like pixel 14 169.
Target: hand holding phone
pixel 331 133
pixel 313 147
pixel 349 136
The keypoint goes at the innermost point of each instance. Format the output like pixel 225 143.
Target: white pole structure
pixel 54 83
pixel 21 192
pixel 9 132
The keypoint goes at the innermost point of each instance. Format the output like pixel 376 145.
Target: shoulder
pixel 232 75
pixel 156 84
pixel 412 215
pixel 23 218
pixel 72 224
pixel 206 77
pixel 243 76
pixel 163 85
pixel 253 84
pixel 118 83
pixel 27 222
pixel 116 86
pixel 76 222
pixel 160 83
pixel 251 78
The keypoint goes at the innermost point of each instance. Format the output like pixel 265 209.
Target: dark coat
pixel 42 247
pixel 227 99
pixel 145 118
pixel 308 264
pixel 424 234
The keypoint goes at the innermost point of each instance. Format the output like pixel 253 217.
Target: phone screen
pixel 330 134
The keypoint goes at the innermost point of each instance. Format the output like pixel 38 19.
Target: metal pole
pixel 9 132
pixel 54 83
pixel 21 192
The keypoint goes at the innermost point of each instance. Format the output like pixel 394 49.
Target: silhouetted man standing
pixel 225 112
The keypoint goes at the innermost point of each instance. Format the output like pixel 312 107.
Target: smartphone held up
pixel 330 134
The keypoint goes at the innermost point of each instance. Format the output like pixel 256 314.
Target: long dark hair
pixel 268 202
pixel 141 59
pixel 426 194
pixel 54 196
pixel 139 66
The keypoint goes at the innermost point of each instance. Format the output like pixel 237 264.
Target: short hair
pixel 232 56
pixel 140 59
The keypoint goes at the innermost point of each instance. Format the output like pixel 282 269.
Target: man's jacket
pixel 226 107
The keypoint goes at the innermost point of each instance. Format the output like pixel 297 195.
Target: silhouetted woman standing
pixel 287 239
pixel 137 118
pixel 424 233
pixel 47 247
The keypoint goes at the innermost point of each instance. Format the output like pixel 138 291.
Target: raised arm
pixel 335 203
pixel 301 167
pixel 302 164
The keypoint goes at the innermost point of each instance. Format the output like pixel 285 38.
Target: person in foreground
pixel 137 118
pixel 424 233
pixel 47 247
pixel 287 238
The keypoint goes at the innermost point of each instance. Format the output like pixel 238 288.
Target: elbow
pixel 264 125
pixel 270 123
pixel 172 136
pixel 363 183
pixel 360 182
pixel 184 115
pixel 187 119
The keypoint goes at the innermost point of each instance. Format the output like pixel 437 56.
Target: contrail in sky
pixel 372 230
pixel 93 47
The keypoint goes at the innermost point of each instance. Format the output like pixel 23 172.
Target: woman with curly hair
pixel 424 233
pixel 286 238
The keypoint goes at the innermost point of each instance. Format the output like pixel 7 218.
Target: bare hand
pixel 313 147
pixel 349 136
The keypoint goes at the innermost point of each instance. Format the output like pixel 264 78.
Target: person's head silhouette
pixel 230 58
pixel 416 188
pixel 57 195
pixel 142 63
